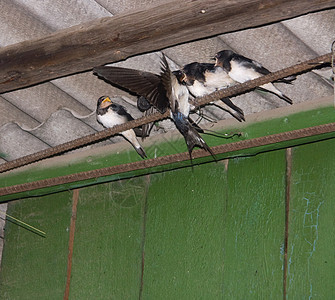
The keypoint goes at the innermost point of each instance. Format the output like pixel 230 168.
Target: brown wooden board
pixel 111 39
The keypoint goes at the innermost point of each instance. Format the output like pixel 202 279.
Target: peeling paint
pixel 310 229
pixel 290 275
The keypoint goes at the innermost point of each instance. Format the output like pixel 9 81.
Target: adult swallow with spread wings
pixel 110 114
pixel 204 78
pixel 162 91
pixel 241 69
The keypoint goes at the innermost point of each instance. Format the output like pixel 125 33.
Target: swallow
pixel 176 93
pixel 242 69
pixel 145 84
pixel 148 86
pixel 146 108
pixel 204 78
pixel 143 104
pixel 162 91
pixel 110 114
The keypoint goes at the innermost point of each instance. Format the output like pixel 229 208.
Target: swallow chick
pixel 204 78
pixel 177 93
pixel 143 104
pixel 110 114
pixel 242 69
pixel 146 108
pixel 145 84
pixel 148 86
pixel 162 91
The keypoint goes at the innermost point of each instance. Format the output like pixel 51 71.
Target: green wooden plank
pixel 311 258
pixel 34 267
pixel 108 241
pixel 313 117
pixel 254 224
pixel 184 239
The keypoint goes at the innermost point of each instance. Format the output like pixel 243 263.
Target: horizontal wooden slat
pixel 303 115
pixel 111 39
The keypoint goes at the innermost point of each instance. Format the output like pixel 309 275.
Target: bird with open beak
pixel 242 69
pixel 204 78
pixel 110 114
pixel 163 91
pixel 177 94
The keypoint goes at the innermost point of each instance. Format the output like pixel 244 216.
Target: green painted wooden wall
pixel 216 231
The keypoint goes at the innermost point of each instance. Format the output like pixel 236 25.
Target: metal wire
pixel 164 160
pixel 233 90
pixel 249 85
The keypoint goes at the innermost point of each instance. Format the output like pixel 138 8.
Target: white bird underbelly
pixel 198 89
pixel 242 74
pixel 214 81
pixel 218 80
pixel 182 94
pixel 111 119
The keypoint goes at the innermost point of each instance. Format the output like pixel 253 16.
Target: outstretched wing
pixel 142 83
pixel 169 80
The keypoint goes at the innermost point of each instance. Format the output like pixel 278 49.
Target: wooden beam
pixel 112 39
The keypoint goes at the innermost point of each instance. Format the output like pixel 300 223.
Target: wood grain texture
pixel 212 232
pixel 107 257
pixel 287 216
pixel 254 227
pixel 111 39
pixel 75 198
pixel 34 267
pixel 311 246
pixel 184 235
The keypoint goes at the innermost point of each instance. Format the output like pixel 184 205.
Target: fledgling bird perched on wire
pixel 110 114
pixel 184 106
pixel 242 69
pixel 204 78
pixel 148 86
pixel 162 91
pixel 176 93
pixel 145 84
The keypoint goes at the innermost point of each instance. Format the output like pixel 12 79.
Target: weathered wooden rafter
pixel 112 39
